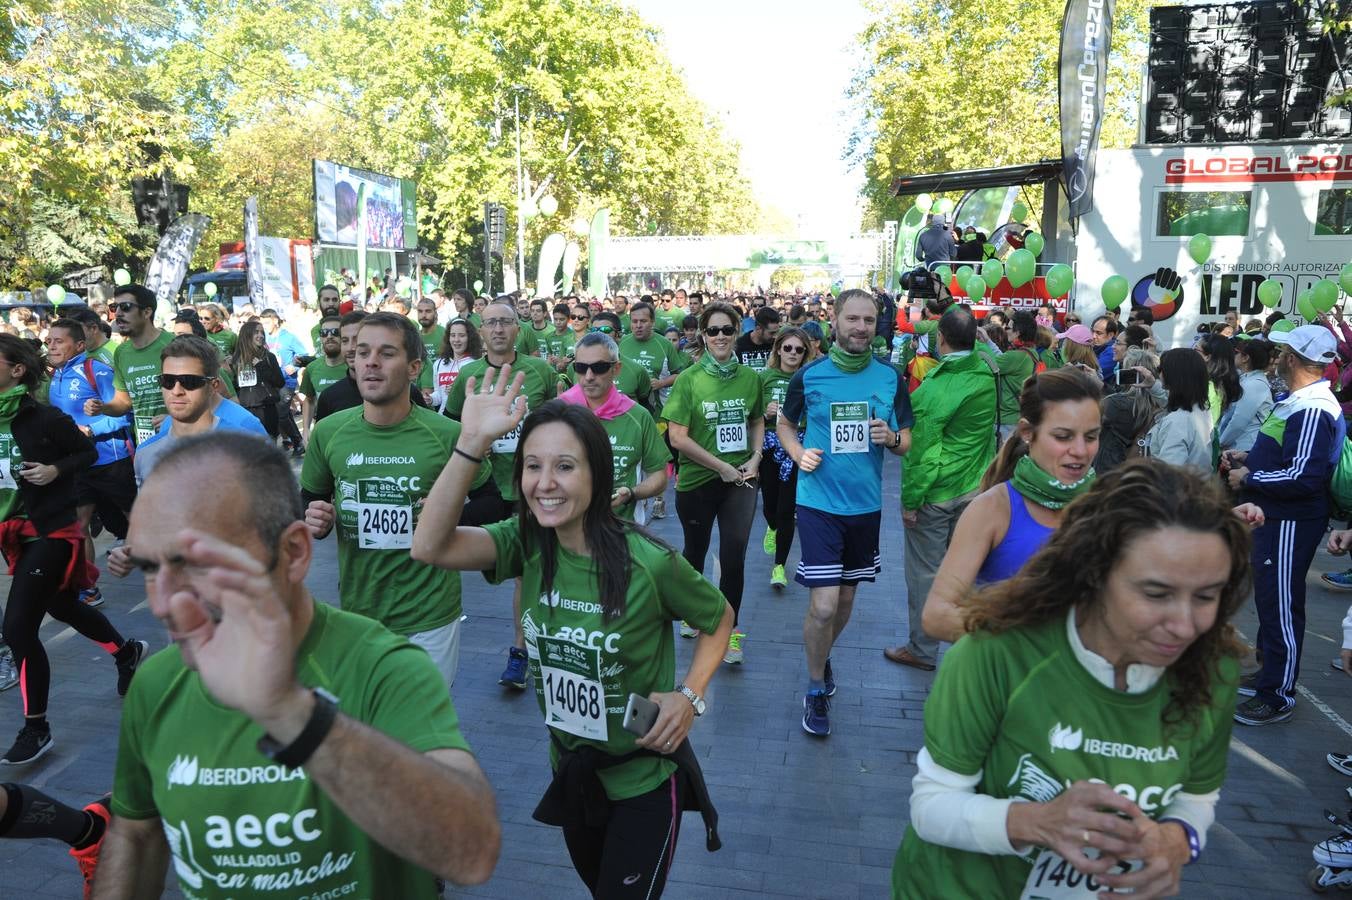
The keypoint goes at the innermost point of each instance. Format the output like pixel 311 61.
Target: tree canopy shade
pixel 972 84
pixel 238 98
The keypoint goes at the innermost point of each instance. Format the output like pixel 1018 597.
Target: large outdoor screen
pixel 391 214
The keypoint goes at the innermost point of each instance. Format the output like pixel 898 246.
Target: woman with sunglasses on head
pixel 461 344
pixel 598 599
pixel 715 417
pixel 41 452
pixel 778 474
pixel 257 376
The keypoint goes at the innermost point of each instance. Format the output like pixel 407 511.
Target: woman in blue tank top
pixel 1043 466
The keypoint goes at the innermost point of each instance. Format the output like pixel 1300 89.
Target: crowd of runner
pixel 1084 512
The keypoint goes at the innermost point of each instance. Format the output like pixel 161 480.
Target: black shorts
pixel 113 484
pixel 837 549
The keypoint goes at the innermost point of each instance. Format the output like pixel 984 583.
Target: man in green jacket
pixel 952 444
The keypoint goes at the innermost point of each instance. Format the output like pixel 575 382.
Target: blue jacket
pixel 68 391
pixel 286 347
pixel 1107 365
pixel 1294 455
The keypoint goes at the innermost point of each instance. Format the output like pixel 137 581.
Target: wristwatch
pixel 695 699
pixel 299 751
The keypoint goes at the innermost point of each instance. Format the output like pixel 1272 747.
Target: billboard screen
pixel 391 214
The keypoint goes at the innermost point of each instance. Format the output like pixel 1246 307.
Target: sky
pixel 775 71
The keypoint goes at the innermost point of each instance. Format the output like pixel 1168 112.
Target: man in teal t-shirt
pixel 359 721
pixel 368 472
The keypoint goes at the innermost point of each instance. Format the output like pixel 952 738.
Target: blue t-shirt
pixel 230 416
pixel 835 408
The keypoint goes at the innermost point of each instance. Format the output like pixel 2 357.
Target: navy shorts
pixel 837 549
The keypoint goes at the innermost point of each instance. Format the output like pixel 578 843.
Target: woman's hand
pixel 1144 379
pixel 674 717
pixel 729 473
pixel 772 409
pixel 1085 815
pixel 1164 850
pixel 809 460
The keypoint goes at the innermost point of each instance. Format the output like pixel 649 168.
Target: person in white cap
pixel 1287 473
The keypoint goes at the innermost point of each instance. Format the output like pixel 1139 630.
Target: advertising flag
pixel 1086 36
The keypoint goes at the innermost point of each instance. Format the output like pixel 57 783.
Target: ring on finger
pixel 1085 838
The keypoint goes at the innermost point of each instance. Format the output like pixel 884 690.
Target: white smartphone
pixel 640 715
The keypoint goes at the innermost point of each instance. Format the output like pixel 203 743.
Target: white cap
pixel 1313 342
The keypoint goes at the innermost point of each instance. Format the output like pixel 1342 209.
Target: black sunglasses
pixel 126 307
pixel 725 330
pixel 600 368
pixel 580 318
pixel 189 382
pixel 790 348
pixel 329 332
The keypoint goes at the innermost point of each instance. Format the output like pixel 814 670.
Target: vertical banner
pixel 171 259
pixel 598 245
pixel 253 254
pixel 361 245
pixel 1086 37
pixel 571 255
pixel 551 255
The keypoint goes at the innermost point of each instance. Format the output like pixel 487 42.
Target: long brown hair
pixel 793 331
pixel 1072 568
pixel 1039 392
pixel 246 354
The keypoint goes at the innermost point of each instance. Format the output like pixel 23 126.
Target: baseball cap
pixel 1313 342
pixel 1078 334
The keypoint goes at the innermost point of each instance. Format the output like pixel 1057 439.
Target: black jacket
pixel 343 395
pixel 269 386
pixel 49 436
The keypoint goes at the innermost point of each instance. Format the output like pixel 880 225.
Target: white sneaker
pixel 659 507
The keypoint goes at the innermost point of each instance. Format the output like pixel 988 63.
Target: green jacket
pixel 954 436
pixel 1016 366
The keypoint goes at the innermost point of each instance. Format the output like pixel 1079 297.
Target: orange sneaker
pixel 88 858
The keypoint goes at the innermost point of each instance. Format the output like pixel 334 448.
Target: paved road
pixel 800 817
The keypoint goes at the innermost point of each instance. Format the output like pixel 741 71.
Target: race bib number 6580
pixel 731 433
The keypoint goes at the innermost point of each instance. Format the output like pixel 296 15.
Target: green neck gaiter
pixel 1044 490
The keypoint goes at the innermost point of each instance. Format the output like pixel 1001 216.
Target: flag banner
pixel 1086 36
pixel 170 263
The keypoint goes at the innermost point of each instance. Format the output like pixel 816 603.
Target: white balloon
pixel 548 205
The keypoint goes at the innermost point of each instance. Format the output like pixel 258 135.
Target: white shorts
pixel 443 645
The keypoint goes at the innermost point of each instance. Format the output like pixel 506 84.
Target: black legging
pixel 268 416
pixel 286 421
pixel 734 508
pixel 638 840
pixel 786 516
pixel 35 592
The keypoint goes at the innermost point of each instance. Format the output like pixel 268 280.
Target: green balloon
pixel 835 288
pixel 1034 242
pixel 975 287
pixel 1345 278
pixel 1060 279
pixel 945 275
pixel 1305 306
pixel 1114 291
pixel 55 294
pixel 1270 293
pixel 1199 248
pixel 991 272
pixel 1020 267
pixel 1020 211
pixel 121 277
pixel 964 273
pixel 210 289
pixel 924 203
pixel 1325 294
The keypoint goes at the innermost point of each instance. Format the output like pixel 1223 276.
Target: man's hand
pixel 86 431
pixel 879 433
pixel 1236 477
pixel 119 561
pixel 319 518
pixel 910 517
pixel 39 474
pixel 1340 542
pixel 1250 514
pixel 810 459
pixel 772 409
pixel 93 406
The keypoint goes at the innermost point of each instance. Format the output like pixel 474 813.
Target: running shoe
pixel 1341 762
pixel 88 858
pixel 687 631
pixel 32 743
pixel 91 597
pixel 95 525
pixel 9 673
pixel 1336 663
pixel 1337 581
pixel 1258 712
pixel 829 679
pixel 135 651
pixel 815 708
pixel 768 542
pixel 514 675
pixel 1248 685
pixel 659 507
pixel 778 578
pixel 734 655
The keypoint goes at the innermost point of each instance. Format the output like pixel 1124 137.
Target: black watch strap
pixel 299 751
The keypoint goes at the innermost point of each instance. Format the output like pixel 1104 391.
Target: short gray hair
pixel 1139 356
pixel 598 339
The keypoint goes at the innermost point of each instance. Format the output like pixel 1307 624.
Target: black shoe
pixel 1248 685
pixel 33 742
pixel 1258 712
pixel 128 661
pixel 95 525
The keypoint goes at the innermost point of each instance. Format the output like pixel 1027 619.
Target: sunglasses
pixel 600 368
pixel 725 330
pixel 329 332
pixel 790 348
pixel 126 307
pixel 189 382
pixel 604 329
pixel 579 318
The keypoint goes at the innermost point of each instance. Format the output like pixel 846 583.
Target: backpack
pixel 1038 365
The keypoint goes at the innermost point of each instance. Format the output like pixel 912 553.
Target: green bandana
pixel 9 402
pixel 1044 490
pixel 717 369
pixel 852 363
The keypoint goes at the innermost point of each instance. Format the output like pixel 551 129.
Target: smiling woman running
pixel 599 598
pixel 1076 738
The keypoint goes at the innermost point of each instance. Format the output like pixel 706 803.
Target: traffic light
pixel 495 226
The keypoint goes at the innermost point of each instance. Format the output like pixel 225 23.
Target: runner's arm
pixel 971 543
pixel 133 861
pixel 681 442
pixel 118 406
pixel 652 485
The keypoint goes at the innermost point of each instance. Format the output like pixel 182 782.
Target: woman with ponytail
pixel 1043 466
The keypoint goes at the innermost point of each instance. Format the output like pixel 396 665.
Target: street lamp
pixel 524 195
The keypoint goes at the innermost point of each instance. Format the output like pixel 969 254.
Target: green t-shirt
pixel 138 373
pixel 774 387
pixel 379 477
pixel 657 354
pixel 319 375
pixel 431 349
pixel 225 340
pixel 633 381
pixel 105 353
pixel 239 826
pixel 527 340
pixel 1019 708
pixel 540 335
pixel 11 502
pixel 624 324
pixel 580 658
pixel 634 444
pixel 540 385
pixel 555 344
pixel 717 411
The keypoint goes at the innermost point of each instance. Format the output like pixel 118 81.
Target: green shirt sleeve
pixel 119 383
pixel 966 705
pixel 307 386
pixel 676 360
pixel 655 454
pixel 455 397
pixel 133 797
pixel 689 596
pixel 315 475
pixel 407 700
pixel 1213 744
pixel 510 563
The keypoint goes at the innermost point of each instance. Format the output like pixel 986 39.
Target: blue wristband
pixel 1194 843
